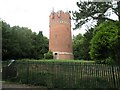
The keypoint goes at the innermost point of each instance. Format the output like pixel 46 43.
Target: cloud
pixel 33 14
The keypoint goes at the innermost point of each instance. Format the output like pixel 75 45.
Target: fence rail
pixel 68 74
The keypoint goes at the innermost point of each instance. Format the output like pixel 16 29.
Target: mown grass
pixel 52 60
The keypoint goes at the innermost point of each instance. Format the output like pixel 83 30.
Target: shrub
pixel 48 55
pixel 105 41
pixel 109 61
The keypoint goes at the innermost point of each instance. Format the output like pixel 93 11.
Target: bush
pixel 48 55
pixel 105 41
pixel 109 61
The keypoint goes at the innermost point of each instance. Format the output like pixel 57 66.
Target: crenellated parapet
pixel 60 17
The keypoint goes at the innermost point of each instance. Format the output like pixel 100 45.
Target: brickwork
pixel 60 34
pixel 65 56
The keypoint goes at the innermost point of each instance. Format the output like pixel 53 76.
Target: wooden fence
pixel 69 74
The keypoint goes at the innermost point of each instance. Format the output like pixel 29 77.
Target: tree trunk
pixel 118 3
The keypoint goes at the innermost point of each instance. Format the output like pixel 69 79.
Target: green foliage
pixel 109 61
pixel 48 55
pixel 81 45
pixel 65 74
pixel 77 47
pixel 40 46
pixel 97 11
pixel 55 61
pixel 105 42
pixel 86 43
pixel 94 11
pixel 21 42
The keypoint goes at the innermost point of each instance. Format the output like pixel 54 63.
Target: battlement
pixel 60 14
pixel 60 17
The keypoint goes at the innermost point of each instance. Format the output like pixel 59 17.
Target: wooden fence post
pixel 113 77
pixel 27 71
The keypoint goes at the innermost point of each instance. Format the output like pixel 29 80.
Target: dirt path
pixel 11 86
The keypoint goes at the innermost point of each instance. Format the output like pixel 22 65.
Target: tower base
pixel 62 55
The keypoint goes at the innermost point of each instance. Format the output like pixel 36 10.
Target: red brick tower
pixel 60 40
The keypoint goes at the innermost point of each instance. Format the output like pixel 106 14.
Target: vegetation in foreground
pixel 65 74
pixel 53 60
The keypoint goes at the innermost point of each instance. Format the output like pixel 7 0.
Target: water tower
pixel 60 39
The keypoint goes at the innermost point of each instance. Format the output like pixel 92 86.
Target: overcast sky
pixel 34 14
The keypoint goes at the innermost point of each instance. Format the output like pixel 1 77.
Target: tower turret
pixel 60 39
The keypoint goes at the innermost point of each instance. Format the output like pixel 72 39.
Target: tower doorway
pixel 55 55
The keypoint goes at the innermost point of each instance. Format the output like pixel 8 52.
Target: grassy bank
pixel 52 60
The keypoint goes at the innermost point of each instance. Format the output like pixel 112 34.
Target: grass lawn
pixel 52 60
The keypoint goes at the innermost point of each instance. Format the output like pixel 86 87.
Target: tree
pixel 78 47
pixel 105 41
pixel 86 43
pixel 21 42
pixel 5 40
pixel 81 45
pixel 40 46
pixel 94 11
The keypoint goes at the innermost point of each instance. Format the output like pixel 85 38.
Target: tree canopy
pixel 102 41
pixel 95 11
pixel 105 41
pixel 81 45
pixel 21 42
pixel 77 47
